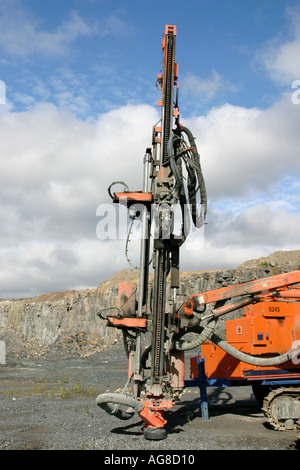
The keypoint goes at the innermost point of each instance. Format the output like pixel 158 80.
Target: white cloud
pixel 114 24
pixel 206 88
pixel 266 224
pixel 247 151
pixel 281 57
pixel 231 238
pixel 250 160
pixel 23 35
pixel 56 169
pixel 42 266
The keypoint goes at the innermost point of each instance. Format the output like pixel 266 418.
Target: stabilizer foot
pixel 155 434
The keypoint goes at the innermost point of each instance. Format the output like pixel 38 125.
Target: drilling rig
pixel 153 328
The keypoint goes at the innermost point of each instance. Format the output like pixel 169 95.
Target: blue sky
pixel 107 53
pixel 79 107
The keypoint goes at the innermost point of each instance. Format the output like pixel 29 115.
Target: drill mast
pixel 172 176
pixel 163 200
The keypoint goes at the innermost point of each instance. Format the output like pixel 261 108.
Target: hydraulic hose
pixel 179 151
pixel 198 220
pixel 207 333
pixel 204 335
pixel 253 360
pixel 110 402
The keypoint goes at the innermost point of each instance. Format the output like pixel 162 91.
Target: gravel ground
pixel 48 403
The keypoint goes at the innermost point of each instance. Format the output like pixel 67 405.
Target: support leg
pixel 202 386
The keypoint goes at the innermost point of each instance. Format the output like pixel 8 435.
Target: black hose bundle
pixel 181 151
pixel 195 178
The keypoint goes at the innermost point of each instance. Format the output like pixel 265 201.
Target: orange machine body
pixel 266 329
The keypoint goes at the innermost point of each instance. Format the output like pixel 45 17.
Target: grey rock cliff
pixel 68 318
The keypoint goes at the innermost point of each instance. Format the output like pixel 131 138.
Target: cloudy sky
pixel 77 105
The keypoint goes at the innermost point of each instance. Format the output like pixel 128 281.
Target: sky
pixel 78 100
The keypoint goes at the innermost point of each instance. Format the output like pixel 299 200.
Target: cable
pixel 100 312
pixel 126 188
pixel 133 218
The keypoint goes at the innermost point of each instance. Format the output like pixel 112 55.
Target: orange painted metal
pixel 127 298
pixel 155 406
pixel 290 293
pixel 165 39
pixel 127 322
pixel 266 329
pixel 221 365
pixel 264 287
pixel 130 197
pixel 153 412
pixel 170 28
pixel 161 78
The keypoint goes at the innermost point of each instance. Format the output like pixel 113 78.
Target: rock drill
pixel 152 324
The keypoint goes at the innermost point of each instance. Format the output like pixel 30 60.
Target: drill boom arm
pixel 273 286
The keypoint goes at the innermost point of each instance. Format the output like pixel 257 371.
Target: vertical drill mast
pixel 163 200
pixel 168 88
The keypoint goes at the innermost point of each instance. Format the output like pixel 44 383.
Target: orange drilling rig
pixel 261 346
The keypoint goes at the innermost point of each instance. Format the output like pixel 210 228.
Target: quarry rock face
pixel 69 319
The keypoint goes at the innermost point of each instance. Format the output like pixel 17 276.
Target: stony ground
pixel 48 403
